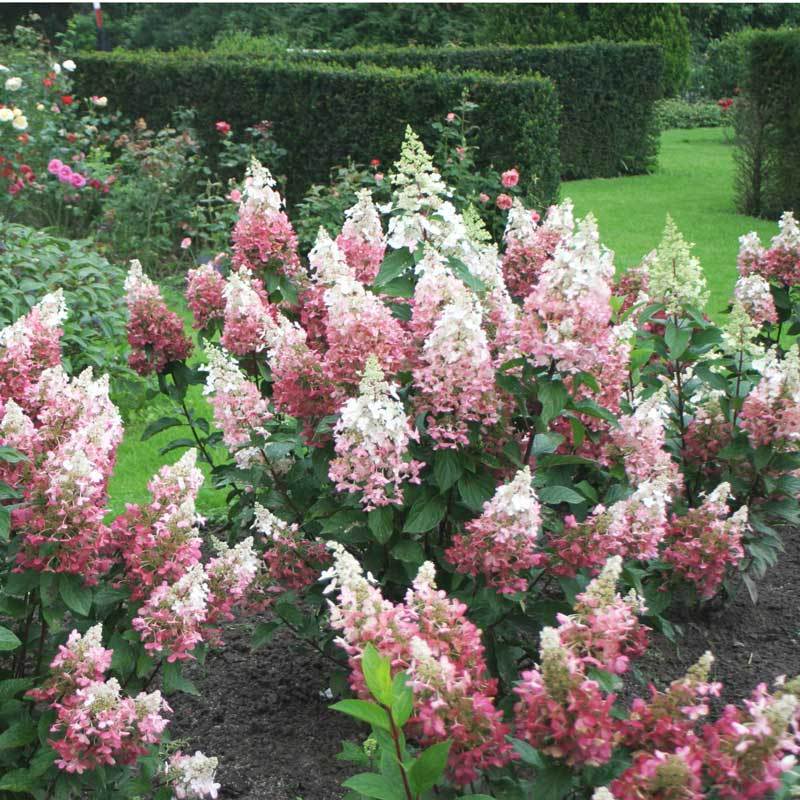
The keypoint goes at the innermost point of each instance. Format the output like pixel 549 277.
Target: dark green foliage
pixel 324 113
pixel 660 23
pixel 725 64
pixel 606 89
pixel 33 263
pixel 768 126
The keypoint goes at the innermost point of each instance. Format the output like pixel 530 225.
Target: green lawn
pixel 138 461
pixel 693 183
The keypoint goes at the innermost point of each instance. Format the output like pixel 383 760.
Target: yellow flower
pixel 6 115
pixel 20 123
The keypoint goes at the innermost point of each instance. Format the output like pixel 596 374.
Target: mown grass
pixel 138 461
pixel 693 183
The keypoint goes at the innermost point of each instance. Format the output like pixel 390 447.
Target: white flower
pixel 69 65
pixel 6 115
pixel 100 102
pixel 40 106
pixel 676 277
pixel 13 84
pixel 57 68
pixel 4 68
pixel 20 123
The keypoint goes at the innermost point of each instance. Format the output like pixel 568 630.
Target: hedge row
pixel 768 126
pixel 323 113
pixel 607 91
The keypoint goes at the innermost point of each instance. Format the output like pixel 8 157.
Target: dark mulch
pixel 262 714
pixel 752 643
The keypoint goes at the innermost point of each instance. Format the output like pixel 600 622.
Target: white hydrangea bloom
pixel 676 277
pixel 259 193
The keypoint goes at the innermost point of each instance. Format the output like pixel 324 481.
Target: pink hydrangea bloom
pixel 562 712
pixel 662 776
pixel 248 314
pixel 780 261
pixel 455 377
pixel 171 620
pixel 192 777
pixel 771 412
pixel 293 561
pixel 205 295
pixel 604 630
pixel 159 541
pixel 239 409
pixel 362 241
pixel 155 333
pixel 264 240
pixel 706 542
pixel 371 438
pixel 430 638
pixel 501 545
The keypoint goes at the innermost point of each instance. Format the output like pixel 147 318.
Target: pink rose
pixel 483 197
pixel 77 180
pixel 378 177
pixel 223 127
pixel 65 174
pixel 186 243
pixel 54 166
pixel 535 216
pixel 504 202
pixel 510 178
pixel 451 117
pixel 235 196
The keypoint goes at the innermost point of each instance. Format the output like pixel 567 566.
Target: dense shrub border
pixel 607 92
pixel 768 126
pixel 323 113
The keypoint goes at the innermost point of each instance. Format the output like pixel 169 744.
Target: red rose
pixel 67 99
pixel 376 162
pixel 223 127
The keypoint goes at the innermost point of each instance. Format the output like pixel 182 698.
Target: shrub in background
pixel 768 126
pixel 676 113
pixel 33 263
pixel 606 91
pixel 660 23
pixel 334 112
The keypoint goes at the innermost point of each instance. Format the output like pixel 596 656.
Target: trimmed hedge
pixel 607 91
pixel 768 126
pixel 323 113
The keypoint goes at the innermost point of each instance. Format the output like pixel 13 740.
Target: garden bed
pixel 271 699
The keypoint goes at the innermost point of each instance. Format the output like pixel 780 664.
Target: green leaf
pixel 377 674
pixel 76 596
pixel 447 468
pixel 546 443
pixel 426 513
pixel 174 681
pixel 408 551
pixel 402 699
pixel 11 687
pixel 365 711
pixel 553 396
pixel 10 455
pixel 18 735
pixel 381 523
pixel 528 754
pixel 5 523
pixel 393 266
pixel 475 490
pixel 428 768
pixel 160 425
pixel 176 444
pixel 559 494
pixel 372 785
pixel 553 782
pixel 264 632
pixel 677 340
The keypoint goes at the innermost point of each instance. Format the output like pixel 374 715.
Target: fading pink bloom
pixel 510 178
